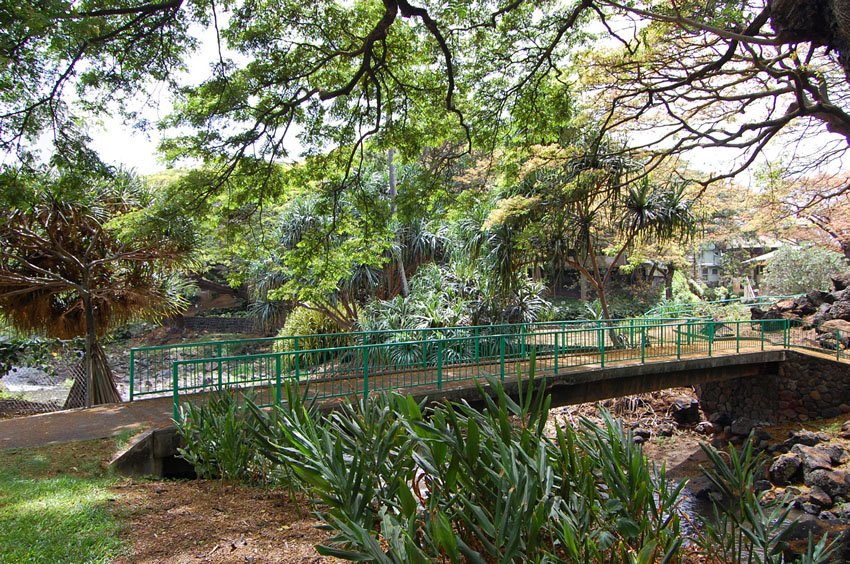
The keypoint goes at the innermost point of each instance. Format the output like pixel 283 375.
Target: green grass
pixel 55 504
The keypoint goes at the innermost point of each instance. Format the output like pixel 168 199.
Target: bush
pixel 800 270
pixel 218 439
pixel 315 331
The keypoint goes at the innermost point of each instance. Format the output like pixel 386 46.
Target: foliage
pixel 218 439
pixel 800 270
pixel 440 298
pixel 400 482
pixel 746 526
pixel 455 481
pixel 579 204
pixel 27 351
pixel 314 331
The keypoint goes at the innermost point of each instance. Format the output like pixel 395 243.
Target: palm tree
pixel 68 270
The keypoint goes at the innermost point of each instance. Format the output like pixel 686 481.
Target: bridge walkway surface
pixel 157 412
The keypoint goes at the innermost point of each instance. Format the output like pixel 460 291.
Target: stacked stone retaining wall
pixel 804 388
pixel 216 324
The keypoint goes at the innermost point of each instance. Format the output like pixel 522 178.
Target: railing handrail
pixel 257 356
pixel 390 331
pixel 262 374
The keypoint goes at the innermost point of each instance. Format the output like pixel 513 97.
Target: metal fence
pixel 442 359
pixel 151 367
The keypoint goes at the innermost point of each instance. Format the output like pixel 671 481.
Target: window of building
pixel 714 271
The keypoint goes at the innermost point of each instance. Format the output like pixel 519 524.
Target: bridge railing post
pixel 737 336
pixel 220 370
pixel 477 346
pixel 678 329
pixel 365 372
pixel 439 364
pixel 522 340
pixel 278 394
pixel 762 334
pixel 710 330
pixel 502 357
pixel 837 344
pixel 600 338
pixel 786 333
pixel 555 370
pixel 132 372
pixel 643 344
pixel 175 389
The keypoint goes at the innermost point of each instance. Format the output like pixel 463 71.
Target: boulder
pixel 805 306
pixel 720 419
pixel 841 281
pixel 786 468
pixel 803 437
pixel 837 454
pixel 834 325
pixel 814 458
pixel 686 411
pixel 840 310
pixel 822 314
pixel 844 433
pixel 742 426
pixel 705 428
pixel 640 435
pixel 665 430
pixel 818 297
pixel 834 482
pixel 820 498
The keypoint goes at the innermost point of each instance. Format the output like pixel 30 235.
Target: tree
pixel 689 75
pixel 578 208
pixel 79 255
pixel 798 205
pixel 799 270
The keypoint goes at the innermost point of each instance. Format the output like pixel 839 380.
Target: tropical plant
pixel 396 481
pixel 746 526
pixel 583 208
pixel 401 483
pixel 80 254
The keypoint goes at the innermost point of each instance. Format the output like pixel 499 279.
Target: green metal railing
pixel 150 367
pixel 443 359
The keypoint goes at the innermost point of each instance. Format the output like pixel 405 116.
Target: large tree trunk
pixel 103 389
pixel 95 384
pixel 617 339
pixel 668 281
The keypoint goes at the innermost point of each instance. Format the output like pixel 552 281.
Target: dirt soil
pixel 214 521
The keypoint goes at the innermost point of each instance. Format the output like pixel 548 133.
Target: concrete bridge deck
pixel 569 385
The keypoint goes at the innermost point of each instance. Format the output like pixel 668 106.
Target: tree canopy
pixel 670 77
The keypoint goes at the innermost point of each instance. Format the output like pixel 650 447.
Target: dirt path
pixel 214 521
pixel 84 424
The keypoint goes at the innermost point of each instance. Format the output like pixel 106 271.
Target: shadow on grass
pixel 55 504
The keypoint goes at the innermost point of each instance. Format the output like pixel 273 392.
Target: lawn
pixel 56 504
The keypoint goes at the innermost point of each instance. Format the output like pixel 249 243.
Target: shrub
pixel 399 482
pixel 218 439
pixel 800 270
pixel 315 331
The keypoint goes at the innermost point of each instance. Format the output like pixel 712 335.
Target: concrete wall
pixel 801 389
